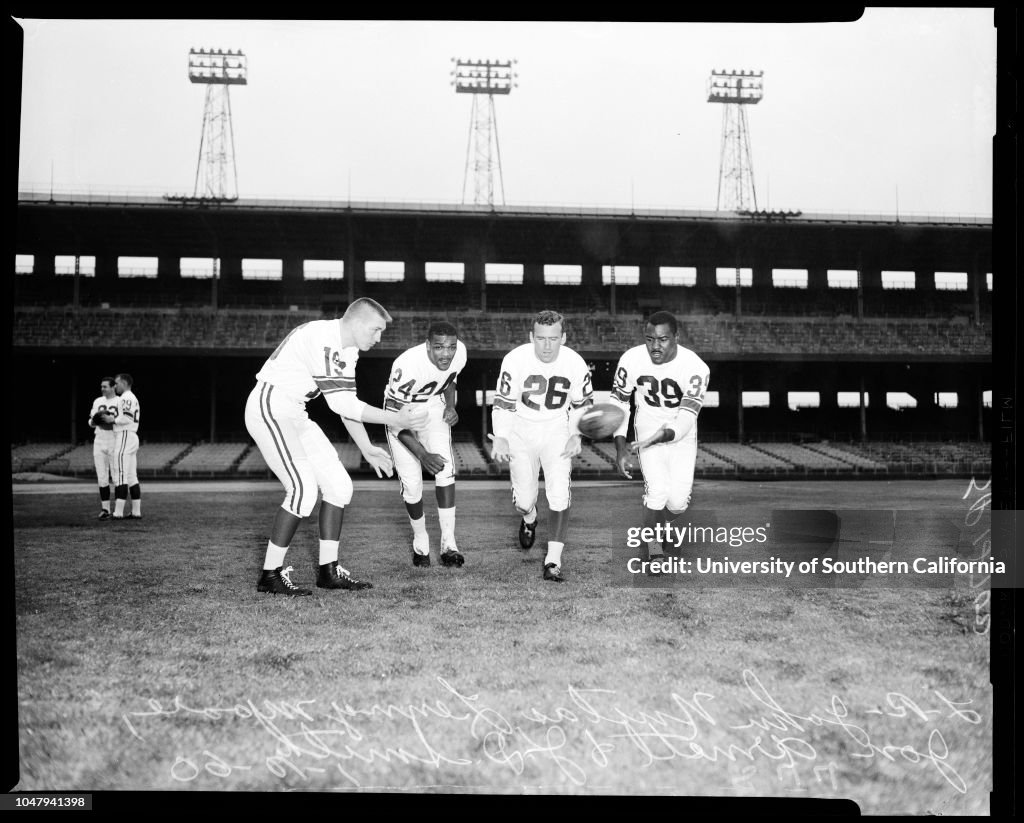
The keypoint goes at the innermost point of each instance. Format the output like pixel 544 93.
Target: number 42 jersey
pixel 663 390
pixel 414 379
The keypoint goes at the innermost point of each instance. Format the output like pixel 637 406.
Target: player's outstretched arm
pixel 433 463
pixel 622 457
pixel 663 435
pixel 378 458
pixel 346 404
pixel 407 417
pixel 668 433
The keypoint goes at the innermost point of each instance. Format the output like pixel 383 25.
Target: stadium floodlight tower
pixel 483 77
pixel 736 89
pixel 218 70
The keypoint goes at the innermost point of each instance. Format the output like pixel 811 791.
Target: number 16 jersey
pixel 663 390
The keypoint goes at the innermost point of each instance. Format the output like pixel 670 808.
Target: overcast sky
pixel 896 110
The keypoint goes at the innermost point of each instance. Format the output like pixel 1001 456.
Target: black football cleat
pixel 420 559
pixel 452 557
pixel 527 534
pixel 332 576
pixel 553 572
pixel 277 581
pixel 103 515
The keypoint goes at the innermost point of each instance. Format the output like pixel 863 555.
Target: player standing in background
pixel 534 429
pixel 669 382
pixel 318 357
pixel 126 450
pixel 426 375
pixel 101 419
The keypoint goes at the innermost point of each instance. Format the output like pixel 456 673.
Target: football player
pixel 101 420
pixel 318 357
pixel 426 375
pixel 543 390
pixel 126 450
pixel 667 383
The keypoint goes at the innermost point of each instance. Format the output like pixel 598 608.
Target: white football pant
pixel 296 450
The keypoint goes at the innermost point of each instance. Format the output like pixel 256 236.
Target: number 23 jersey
pixel 663 390
pixel 538 391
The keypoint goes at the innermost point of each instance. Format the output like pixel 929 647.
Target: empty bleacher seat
pixel 253 462
pixel 158 456
pixel 468 458
pixel 803 457
pixel 210 457
pixel 747 458
pixel 31 456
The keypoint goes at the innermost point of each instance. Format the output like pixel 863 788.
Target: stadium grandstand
pixel 839 345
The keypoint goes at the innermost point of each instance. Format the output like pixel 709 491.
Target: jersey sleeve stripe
pixel 691 405
pixel 326 384
pixel 620 395
pixel 502 403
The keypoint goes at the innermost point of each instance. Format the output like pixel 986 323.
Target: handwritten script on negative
pixel 578 738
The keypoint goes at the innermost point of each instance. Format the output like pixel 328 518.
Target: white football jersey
pixel 662 390
pixel 414 379
pixel 311 361
pixel 128 412
pixel 102 404
pixel 538 391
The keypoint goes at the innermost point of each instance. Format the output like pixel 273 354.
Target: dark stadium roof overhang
pixel 147 226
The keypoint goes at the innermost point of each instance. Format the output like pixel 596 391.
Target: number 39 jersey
pixel 537 391
pixel 662 390
pixel 414 379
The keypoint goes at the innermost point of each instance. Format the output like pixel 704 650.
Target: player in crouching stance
pixel 669 383
pixel 126 450
pixel 425 375
pixel 101 419
pixel 317 357
pixel 543 390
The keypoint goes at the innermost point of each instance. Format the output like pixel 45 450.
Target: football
pixel 601 420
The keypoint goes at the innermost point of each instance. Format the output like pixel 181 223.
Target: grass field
pixel 147 660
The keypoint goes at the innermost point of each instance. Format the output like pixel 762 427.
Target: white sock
pixel 329 551
pixel 119 507
pixel 105 505
pixel 420 538
pixel 531 515
pixel 419 527
pixel 446 517
pixel 275 556
pixel 554 554
pixel 137 507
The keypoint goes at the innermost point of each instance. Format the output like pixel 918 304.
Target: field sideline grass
pixel 147 660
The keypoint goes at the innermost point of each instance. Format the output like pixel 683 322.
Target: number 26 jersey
pixel 663 390
pixel 538 391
